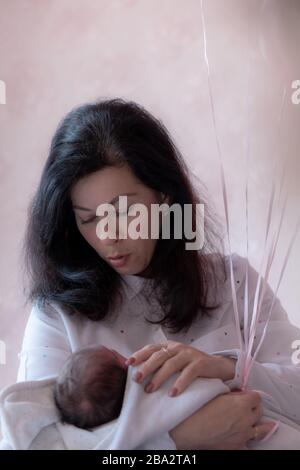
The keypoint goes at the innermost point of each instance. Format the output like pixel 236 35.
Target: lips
pixel 116 257
pixel 119 262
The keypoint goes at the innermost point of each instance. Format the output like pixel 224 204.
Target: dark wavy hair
pixel 62 267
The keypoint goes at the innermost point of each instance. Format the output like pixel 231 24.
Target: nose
pixel 108 235
pixel 109 241
pixel 113 231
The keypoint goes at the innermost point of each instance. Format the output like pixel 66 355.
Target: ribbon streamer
pixel 247 341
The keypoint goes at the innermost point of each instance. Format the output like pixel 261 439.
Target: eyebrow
pixel 111 202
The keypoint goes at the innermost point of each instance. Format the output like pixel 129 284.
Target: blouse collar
pixel 134 283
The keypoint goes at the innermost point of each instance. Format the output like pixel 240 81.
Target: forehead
pixel 103 185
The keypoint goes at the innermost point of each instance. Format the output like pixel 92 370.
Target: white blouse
pixel 50 336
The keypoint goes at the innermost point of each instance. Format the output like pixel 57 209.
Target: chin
pixel 135 272
pixel 132 272
pixel 126 270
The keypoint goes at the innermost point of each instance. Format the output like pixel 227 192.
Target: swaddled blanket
pixel 144 421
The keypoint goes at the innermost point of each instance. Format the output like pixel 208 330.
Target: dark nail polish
pixel 130 361
pixel 138 376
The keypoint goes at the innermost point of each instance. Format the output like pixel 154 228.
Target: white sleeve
pixel 45 348
pixel 274 371
pixel 45 345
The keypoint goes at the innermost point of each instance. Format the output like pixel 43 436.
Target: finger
pixel 171 366
pixel 260 431
pixel 256 414
pixel 253 398
pixel 275 426
pixel 186 377
pixel 142 354
pixel 155 361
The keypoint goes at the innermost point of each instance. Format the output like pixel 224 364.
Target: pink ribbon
pixel 247 341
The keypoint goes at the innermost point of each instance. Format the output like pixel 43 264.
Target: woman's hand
pixel 171 357
pixel 227 422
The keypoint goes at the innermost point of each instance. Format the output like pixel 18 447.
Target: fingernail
pixel 149 388
pixel 270 433
pixel 173 392
pixel 138 376
pixel 130 361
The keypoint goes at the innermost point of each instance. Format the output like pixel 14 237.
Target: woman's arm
pixel 274 371
pixel 45 345
pixel 189 361
pixel 45 348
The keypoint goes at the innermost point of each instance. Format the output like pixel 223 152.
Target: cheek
pixel 90 235
pixel 140 224
pixel 146 248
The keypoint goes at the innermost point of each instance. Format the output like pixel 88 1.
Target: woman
pixel 154 291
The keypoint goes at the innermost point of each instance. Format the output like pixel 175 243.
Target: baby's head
pixel 90 388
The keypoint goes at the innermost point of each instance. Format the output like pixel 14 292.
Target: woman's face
pixel 102 187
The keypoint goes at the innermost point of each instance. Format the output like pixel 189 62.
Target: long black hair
pixel 62 267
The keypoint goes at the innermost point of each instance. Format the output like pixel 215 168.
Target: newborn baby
pixel 90 388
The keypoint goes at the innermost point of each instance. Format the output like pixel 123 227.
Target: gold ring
pixel 165 349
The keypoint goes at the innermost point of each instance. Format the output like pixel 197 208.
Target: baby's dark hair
pixel 90 389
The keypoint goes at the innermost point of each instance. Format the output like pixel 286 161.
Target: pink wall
pixel 59 53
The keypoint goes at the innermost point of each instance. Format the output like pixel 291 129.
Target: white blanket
pixel 30 419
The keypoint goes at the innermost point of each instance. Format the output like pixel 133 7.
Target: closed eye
pixel 89 220
pixel 97 217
